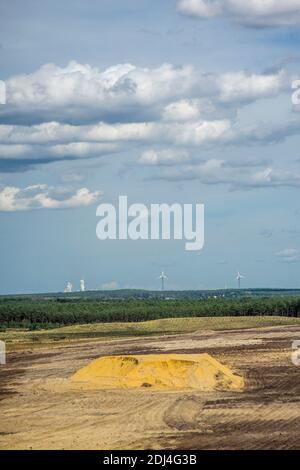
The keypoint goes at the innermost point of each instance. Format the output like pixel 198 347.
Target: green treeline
pixel 28 313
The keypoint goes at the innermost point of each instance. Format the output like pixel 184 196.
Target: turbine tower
pixel 162 277
pixel 239 277
pixel 82 286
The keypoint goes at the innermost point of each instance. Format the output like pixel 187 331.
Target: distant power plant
pixel 69 287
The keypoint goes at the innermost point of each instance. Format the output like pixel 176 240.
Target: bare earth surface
pixel 40 409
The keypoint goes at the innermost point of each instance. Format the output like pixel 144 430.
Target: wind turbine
pixel 239 277
pixel 162 277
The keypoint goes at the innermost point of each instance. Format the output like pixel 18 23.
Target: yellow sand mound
pixel 159 372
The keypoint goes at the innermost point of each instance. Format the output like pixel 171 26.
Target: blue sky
pixel 175 101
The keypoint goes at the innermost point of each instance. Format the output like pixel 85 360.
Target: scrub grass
pixel 17 339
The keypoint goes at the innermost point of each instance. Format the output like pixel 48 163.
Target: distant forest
pixel 38 312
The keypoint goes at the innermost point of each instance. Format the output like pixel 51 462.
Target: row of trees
pixel 49 313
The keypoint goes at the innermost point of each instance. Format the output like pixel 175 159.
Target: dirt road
pixel 40 410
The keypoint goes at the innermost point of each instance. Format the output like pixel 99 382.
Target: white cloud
pixel 61 141
pixel 41 196
pixel 255 12
pixel 289 255
pixel 60 151
pixel 199 132
pixel 163 157
pixel 81 149
pixel 81 94
pixel 56 133
pixel 100 112
pixel 15 150
pixel 239 86
pixel 236 175
pixel 200 8
pixel 288 252
pixel 54 141
pixel 184 110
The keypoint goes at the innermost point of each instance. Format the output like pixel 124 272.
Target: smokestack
pixel 82 286
pixel 68 288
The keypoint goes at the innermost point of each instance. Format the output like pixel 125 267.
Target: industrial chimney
pixel 68 288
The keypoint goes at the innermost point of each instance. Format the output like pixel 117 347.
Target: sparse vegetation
pixel 22 339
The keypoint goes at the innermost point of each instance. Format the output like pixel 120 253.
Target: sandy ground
pixel 39 409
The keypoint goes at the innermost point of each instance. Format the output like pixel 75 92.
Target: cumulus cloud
pixel 79 94
pixel 41 196
pixel 163 157
pixel 239 86
pixel 289 255
pixel 253 12
pixel 234 174
pixel 61 141
pixel 59 151
pixel 56 133
pixel 49 142
pixel 79 111
pixel 184 110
